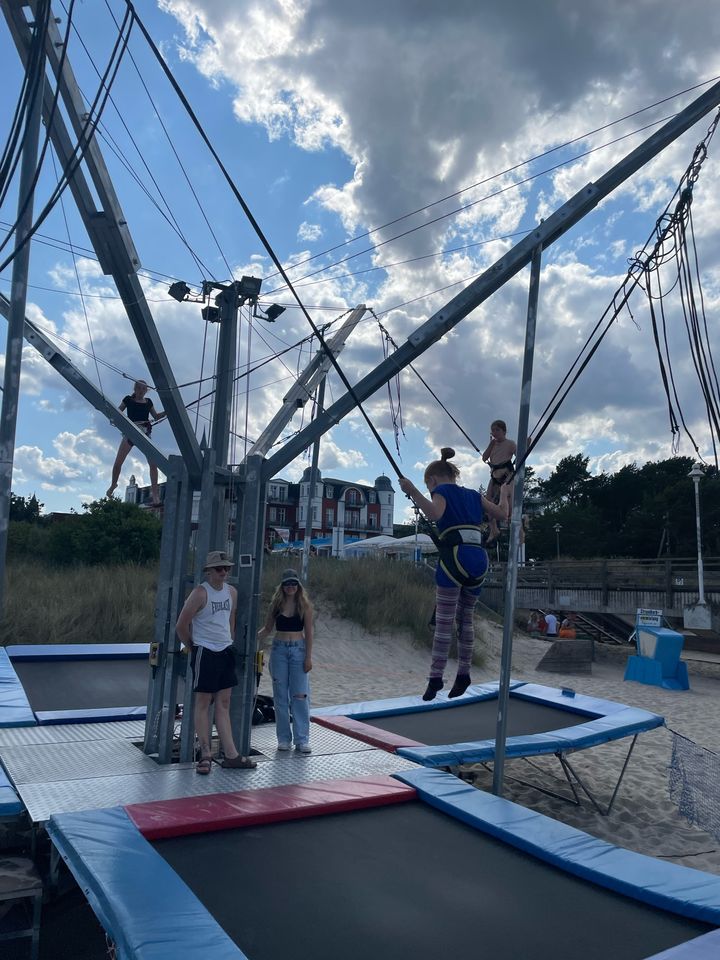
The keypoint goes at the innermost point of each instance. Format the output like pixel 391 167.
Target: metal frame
pixel 571 776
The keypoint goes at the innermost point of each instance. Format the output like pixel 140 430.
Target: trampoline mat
pixel 470 722
pixel 406 880
pixel 84 684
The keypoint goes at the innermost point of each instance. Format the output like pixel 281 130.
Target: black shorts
pixel 213 671
pixel 143 425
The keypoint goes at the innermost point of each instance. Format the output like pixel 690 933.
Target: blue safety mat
pixel 125 890
pixel 669 886
pixel 14 707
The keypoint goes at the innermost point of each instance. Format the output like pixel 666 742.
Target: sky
pixel 386 151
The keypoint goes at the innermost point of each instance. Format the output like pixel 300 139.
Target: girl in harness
pixel 458 513
pixel 139 409
pixel 499 456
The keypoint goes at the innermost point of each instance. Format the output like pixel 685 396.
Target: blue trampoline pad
pixel 73 683
pixel 453 871
pixel 446 732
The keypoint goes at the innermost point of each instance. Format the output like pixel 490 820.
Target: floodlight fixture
pixel 211 314
pixel 179 290
pixel 271 314
pixel 248 288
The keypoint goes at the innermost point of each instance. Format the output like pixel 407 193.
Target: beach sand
pixel 351 664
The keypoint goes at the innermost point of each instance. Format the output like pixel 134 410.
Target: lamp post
pixel 557 528
pixel 695 474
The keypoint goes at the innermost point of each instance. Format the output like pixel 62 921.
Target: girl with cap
pixel 206 626
pixel 290 615
pixel 457 511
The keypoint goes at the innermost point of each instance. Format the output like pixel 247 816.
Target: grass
pixel 78 604
pixel 117 604
pixel 379 594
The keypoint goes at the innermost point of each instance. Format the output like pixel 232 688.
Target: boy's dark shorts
pixel 213 671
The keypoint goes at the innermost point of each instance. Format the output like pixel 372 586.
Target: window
pixel 372 496
pixel 352 497
pixel 329 518
pixel 280 514
pixel 330 492
pixel 271 514
pixel 316 514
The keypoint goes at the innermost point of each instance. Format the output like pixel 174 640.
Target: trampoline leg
pixel 606 811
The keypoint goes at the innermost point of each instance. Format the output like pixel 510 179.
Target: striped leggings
pixel 453 604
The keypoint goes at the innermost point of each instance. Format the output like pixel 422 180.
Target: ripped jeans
pixel 290 684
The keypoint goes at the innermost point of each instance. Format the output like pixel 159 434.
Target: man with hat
pixel 206 626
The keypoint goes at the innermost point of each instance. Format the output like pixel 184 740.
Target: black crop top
pixel 292 624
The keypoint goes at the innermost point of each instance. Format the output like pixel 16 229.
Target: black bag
pixel 264 711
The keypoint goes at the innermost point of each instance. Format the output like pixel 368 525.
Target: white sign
pixel 649 618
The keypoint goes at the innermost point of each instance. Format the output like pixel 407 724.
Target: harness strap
pixel 449 543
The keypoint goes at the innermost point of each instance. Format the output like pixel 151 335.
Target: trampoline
pixel 419 864
pixel 73 683
pixel 448 733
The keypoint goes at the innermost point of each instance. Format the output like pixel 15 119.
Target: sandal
pixel 204 766
pixel 238 763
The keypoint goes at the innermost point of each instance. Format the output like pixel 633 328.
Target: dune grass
pixel 78 604
pixel 117 604
pixel 380 595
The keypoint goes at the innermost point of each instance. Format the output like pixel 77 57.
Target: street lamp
pixel 557 528
pixel 695 474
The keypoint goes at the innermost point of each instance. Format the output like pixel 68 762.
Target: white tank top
pixel 211 626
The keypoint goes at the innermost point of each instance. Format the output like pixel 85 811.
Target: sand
pixel 352 664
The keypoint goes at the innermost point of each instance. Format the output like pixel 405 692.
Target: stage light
pixel 249 288
pixel 273 312
pixel 210 314
pixel 179 290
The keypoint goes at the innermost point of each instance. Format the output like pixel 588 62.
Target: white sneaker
pixel 303 748
pixel 284 746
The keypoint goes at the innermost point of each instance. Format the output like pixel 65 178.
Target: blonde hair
pixel 303 606
pixel 443 467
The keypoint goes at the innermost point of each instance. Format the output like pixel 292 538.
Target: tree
pixel 109 532
pixel 567 481
pixel 26 509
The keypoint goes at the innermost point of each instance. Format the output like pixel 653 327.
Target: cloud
pixel 421 100
pixel 308 232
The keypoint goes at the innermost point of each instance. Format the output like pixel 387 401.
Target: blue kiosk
pixel 658 660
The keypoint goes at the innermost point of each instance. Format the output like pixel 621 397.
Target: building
pixel 360 510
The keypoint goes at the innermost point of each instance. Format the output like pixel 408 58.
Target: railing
pixel 611 585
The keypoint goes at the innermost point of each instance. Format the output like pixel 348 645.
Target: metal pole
pixel 696 473
pixel 515 525
pixel 311 493
pixel 557 528
pixel 16 316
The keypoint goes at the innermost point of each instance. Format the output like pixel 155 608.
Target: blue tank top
pixel 462 506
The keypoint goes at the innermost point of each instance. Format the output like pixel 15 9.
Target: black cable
pixel 84 141
pixel 34 83
pixel 201 208
pixel 429 388
pixel 261 236
pixel 488 196
pixel 641 267
pixel 49 123
pixel 511 169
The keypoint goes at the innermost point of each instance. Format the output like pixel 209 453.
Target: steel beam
pixel 107 228
pixel 306 383
pixel 544 234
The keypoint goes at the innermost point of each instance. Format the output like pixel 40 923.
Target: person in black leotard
pixel 139 409
pixel 290 616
